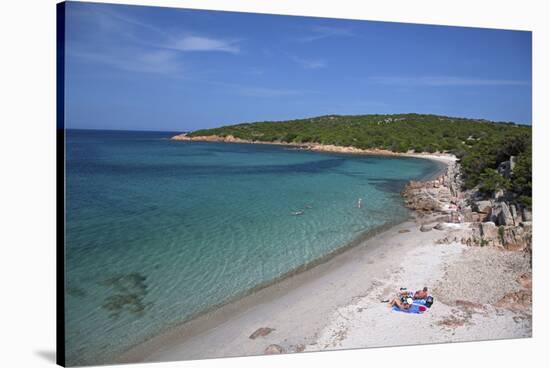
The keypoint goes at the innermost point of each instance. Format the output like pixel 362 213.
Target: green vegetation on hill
pixel 480 144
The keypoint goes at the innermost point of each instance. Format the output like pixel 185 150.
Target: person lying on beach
pixel 419 294
pixel 402 303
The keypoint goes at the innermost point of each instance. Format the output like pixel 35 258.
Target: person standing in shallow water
pixel 359 202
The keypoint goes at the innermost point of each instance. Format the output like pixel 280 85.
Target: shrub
pixel 491 181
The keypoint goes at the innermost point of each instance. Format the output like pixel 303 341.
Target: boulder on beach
pixel 262 331
pixel 516 238
pixel 274 349
pixel 489 230
pixel 425 228
pixel 440 226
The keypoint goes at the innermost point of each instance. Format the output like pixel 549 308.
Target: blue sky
pixel 148 68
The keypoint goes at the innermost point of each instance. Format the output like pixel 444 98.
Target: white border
pixel 27 234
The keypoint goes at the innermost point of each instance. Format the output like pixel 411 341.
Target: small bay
pixel 159 231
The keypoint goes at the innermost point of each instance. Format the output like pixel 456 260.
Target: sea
pixel 159 232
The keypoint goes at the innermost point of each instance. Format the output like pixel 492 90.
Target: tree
pixel 479 144
pixel 491 181
pixel 522 178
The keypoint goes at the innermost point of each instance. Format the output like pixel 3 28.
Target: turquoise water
pixel 159 231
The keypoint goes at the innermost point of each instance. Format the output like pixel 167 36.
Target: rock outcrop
pixel 501 215
pixel 517 237
pixel 483 209
pixel 439 196
pixel 492 222
pixel 526 215
pixel 489 232
pixel 511 237
pixel 506 168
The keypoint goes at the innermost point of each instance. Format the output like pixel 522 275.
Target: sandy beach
pixel 480 293
pixel 336 305
pixel 318 147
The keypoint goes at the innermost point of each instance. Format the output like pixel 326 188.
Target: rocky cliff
pixel 494 222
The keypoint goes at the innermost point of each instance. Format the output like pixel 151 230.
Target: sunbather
pixel 402 303
pixel 421 294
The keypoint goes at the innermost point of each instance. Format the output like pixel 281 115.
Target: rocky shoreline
pixel 475 256
pixel 488 222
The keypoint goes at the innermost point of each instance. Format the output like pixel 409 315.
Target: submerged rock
pixel 128 293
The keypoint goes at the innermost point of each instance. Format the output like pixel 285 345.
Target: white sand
pixel 366 323
pixel 337 304
pixel 442 157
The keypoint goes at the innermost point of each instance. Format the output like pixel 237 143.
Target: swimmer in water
pixel 359 202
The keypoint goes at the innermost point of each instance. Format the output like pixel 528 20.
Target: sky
pixel 167 69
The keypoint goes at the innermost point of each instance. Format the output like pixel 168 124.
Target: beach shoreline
pixel 318 147
pixel 317 298
pixel 246 310
pixel 261 294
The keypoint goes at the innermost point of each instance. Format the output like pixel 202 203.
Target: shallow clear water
pixel 159 231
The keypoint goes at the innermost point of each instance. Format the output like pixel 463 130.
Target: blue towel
pixel 414 309
pixel 423 301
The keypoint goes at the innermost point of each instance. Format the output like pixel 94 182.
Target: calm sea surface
pixel 159 231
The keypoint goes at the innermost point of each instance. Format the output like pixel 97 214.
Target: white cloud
pixel 159 62
pixel 199 43
pixel 309 63
pixel 444 81
pixel 321 32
